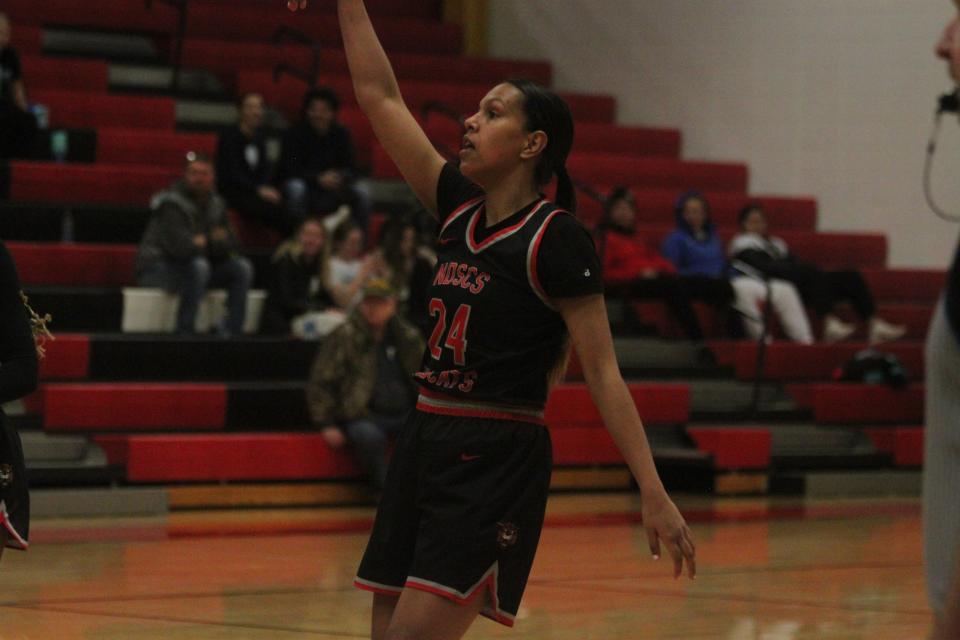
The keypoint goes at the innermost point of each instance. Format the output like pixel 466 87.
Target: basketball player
pixel 18 377
pixel 517 278
pixel 941 476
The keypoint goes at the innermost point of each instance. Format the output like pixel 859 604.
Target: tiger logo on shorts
pixel 506 534
pixel 6 475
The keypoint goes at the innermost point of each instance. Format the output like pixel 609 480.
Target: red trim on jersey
pixel 532 254
pixel 459 212
pixel 477 247
pixel 438 403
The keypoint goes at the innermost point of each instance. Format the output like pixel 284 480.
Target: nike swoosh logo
pixel 468 458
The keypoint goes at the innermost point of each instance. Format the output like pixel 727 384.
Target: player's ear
pixel 534 144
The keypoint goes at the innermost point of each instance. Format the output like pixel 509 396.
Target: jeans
pixel 302 199
pixel 193 277
pixel 368 437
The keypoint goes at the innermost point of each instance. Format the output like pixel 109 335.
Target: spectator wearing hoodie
pixel 695 250
pixel 633 271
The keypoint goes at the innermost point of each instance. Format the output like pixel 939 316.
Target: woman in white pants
pixel 753 294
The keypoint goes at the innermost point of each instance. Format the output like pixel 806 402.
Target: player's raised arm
pixel 379 96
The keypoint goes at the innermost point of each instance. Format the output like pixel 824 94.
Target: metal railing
pixel 307 76
pixel 177 57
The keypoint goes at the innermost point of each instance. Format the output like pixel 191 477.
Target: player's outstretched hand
pixel 295 5
pixel 665 525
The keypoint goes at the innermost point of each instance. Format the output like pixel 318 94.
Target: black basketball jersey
pixel 495 335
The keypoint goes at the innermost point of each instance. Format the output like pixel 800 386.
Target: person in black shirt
pixel 517 281
pixel 244 172
pixel 318 166
pixel 18 127
pixel 18 377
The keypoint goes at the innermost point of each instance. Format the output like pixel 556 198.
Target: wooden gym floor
pixel 768 570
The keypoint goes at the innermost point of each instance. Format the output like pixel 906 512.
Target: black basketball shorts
pixel 462 511
pixel 14 499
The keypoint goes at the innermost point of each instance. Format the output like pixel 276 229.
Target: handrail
pixel 181 6
pixel 308 76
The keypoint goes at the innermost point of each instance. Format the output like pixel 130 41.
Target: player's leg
pixel 420 615
pixel 3 540
pixel 383 608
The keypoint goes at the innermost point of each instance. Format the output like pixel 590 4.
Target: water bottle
pixel 41 114
pixel 59 145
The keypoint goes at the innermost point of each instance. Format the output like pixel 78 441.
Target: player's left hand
pixel 664 524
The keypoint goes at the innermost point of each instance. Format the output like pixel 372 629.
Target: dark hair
pixel 547 112
pixel 326 94
pixel 341 231
pixel 243 97
pixel 616 195
pixel 748 208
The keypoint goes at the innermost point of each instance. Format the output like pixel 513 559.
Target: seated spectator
pixel 361 385
pixel 318 163
pixel 409 268
pixel 820 289
pixel 18 127
pixel 299 298
pixel 694 248
pixel 243 171
pixel 349 268
pixel 189 247
pixel 633 271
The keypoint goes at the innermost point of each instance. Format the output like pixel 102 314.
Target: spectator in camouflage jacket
pixel 361 385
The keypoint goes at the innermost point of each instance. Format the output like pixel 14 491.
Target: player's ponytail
pixel 547 112
pixel 566 193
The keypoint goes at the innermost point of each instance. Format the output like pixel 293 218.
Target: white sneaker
pixel 835 329
pixel 883 331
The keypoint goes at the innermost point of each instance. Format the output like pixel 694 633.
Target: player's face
pixel 251 111
pixel 755 222
pixel 495 136
pixel 199 177
pixel 695 213
pixel 312 238
pixel 948 47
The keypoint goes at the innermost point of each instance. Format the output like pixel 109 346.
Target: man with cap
pixel 361 384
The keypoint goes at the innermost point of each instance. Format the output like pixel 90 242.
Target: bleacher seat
pixel 735 448
pixel 148 310
pixel 84 109
pixel 73 264
pixel 97 183
pixel 64 74
pixel 905 443
pixel 151 147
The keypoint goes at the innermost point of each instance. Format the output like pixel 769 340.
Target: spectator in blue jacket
pixel 695 249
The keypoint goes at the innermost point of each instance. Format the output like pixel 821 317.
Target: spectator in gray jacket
pixel 188 247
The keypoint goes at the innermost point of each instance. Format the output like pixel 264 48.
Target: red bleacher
pixel 80 109
pixel 226 58
pixel 133 406
pixel 26 39
pixel 144 146
pixel 224 457
pixel 904 443
pixel 65 74
pixel 905 285
pixel 67 357
pixel 99 183
pixel 570 405
pixel 849 403
pixel 74 264
pixel 733 447
pixel 791 361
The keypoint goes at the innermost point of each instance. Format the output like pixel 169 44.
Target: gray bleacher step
pixel 863 482
pixel 98 502
pixel 153 78
pixel 39 447
pixel 114 46
pixel 210 114
pixel 644 357
pixel 713 399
